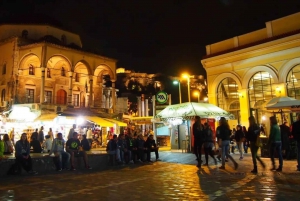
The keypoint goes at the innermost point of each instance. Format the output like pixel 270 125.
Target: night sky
pixel 151 35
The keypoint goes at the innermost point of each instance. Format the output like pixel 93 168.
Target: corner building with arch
pixel 246 71
pixel 45 64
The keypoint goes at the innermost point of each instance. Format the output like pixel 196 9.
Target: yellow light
pixel 196 93
pixel 186 76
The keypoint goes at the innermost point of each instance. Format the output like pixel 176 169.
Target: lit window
pixel 63 72
pixel 31 70
pixel 48 73
pixel 4 69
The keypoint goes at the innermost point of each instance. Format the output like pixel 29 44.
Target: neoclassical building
pixel 244 72
pixel 46 65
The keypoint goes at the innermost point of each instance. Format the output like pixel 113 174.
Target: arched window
pixel 48 73
pixel 4 69
pixel 77 76
pixel 63 71
pixel 31 69
pixel 3 95
pixel 64 39
pixel 292 80
pixel 260 91
pixel 227 94
pixel 24 34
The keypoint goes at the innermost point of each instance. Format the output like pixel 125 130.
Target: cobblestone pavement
pixel 176 177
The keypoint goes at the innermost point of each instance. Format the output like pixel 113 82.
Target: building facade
pixel 46 65
pixel 246 71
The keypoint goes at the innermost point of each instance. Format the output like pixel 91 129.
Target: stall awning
pixel 46 117
pixel 119 123
pixel 141 120
pixel 100 121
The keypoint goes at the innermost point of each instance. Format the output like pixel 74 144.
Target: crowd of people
pixel 64 152
pixel 132 148
pixel 228 140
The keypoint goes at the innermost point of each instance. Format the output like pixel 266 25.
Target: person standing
pixel 239 138
pixel 72 130
pixel 274 143
pixel 198 132
pixel 12 135
pixel 252 134
pixel 296 136
pixel 223 132
pixel 34 135
pixel 89 136
pixel 246 141
pixel 41 136
pixel 285 133
pixel 50 133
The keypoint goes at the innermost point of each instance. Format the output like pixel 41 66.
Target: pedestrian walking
pixel 239 138
pixel 198 132
pixel 208 143
pixel 252 135
pixel 223 132
pixel 275 143
pixel 296 136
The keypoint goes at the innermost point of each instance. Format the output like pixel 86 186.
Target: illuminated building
pixel 246 71
pixel 46 66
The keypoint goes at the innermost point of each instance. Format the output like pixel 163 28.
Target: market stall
pixel 284 108
pixel 179 118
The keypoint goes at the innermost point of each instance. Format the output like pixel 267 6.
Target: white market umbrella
pixel 191 109
pixel 283 103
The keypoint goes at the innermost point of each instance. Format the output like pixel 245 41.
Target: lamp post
pixel 178 82
pixel 196 93
pixel 186 76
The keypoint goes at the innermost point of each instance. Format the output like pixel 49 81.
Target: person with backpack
pixel 252 134
pixel 223 133
pixel 239 138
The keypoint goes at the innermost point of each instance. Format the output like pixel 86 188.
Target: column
pixel 113 84
pixel 70 74
pixel 244 106
pixel 42 94
pixel 91 98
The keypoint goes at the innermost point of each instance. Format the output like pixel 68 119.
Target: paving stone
pixel 176 177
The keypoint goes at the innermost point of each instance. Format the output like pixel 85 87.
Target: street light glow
pixel 196 93
pixel 179 88
pixel 187 76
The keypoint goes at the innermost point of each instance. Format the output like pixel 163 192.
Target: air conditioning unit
pixel 35 106
pixel 58 109
pixel 4 104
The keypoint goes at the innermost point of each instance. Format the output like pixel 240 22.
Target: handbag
pixel 258 142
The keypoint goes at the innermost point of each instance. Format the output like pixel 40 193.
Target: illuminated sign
pixel 161 97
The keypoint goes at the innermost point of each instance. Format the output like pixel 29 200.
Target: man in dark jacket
pixel 198 132
pixel 296 136
pixel 151 147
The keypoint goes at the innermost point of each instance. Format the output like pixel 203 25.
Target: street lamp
pixel 186 76
pixel 196 93
pixel 178 82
